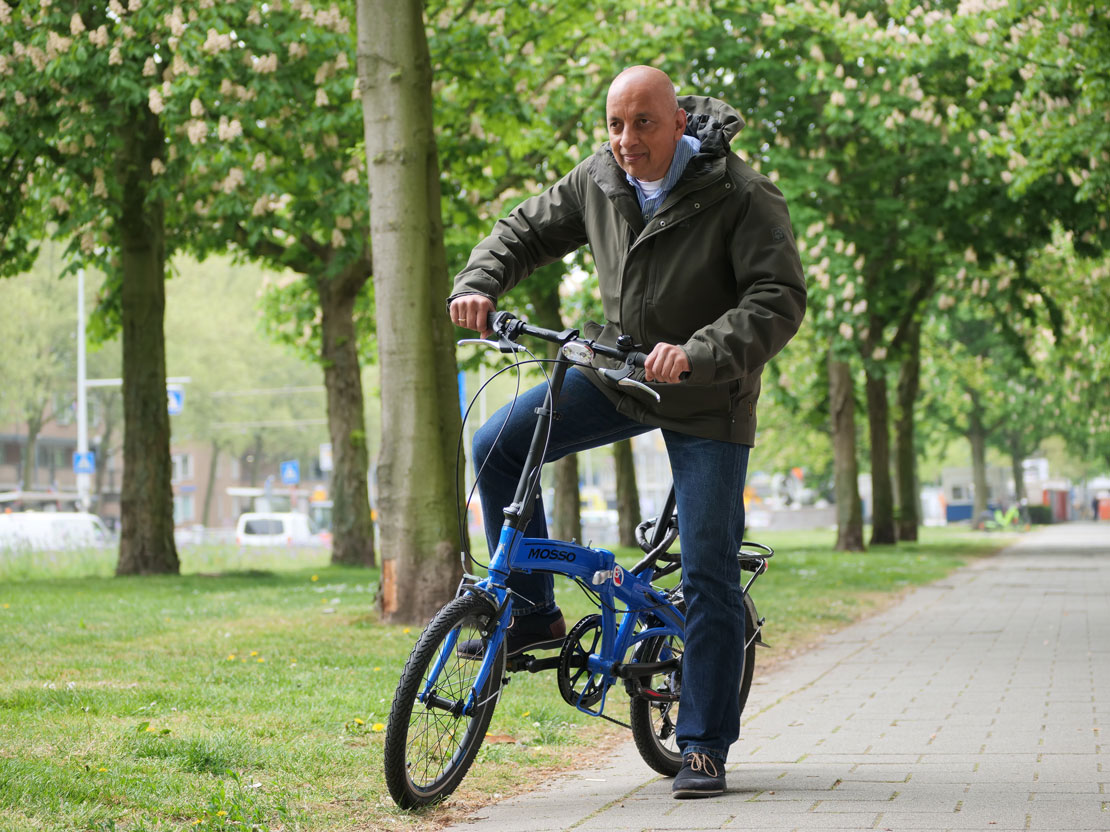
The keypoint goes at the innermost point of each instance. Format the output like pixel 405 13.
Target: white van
pixel 52 530
pixel 274 529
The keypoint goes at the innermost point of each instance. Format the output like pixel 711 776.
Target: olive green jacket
pixel 716 270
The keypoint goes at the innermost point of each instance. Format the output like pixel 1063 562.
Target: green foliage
pixel 38 362
pixel 255 103
pixel 214 334
pixel 1026 368
pixel 1048 63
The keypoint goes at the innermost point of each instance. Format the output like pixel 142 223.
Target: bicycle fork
pixel 430 696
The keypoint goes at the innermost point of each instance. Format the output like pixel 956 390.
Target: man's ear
pixel 680 123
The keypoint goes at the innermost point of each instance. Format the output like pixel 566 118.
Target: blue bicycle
pixel 457 670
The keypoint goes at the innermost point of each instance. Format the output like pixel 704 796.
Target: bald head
pixel 645 122
pixel 646 81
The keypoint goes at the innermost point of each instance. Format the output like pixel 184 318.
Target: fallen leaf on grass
pixel 499 738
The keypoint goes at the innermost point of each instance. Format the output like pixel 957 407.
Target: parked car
pixel 275 529
pixel 50 530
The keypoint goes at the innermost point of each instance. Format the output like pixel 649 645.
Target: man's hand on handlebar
pixel 666 363
pixel 472 312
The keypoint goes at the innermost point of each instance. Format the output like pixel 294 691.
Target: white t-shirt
pixel 650 189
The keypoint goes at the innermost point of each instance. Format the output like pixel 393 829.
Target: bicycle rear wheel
pixel 430 744
pixel 653 712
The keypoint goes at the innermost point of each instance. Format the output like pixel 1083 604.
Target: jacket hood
pixel 712 122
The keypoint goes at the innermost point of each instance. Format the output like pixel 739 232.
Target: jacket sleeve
pixel 772 290
pixel 539 231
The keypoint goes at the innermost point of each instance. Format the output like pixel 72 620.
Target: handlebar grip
pixel 638 359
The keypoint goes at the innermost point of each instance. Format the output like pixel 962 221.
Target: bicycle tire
pixel 654 722
pixel 429 750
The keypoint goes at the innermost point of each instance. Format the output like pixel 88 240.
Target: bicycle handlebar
pixel 508 326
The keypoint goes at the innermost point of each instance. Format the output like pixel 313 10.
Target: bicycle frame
pixel 598 567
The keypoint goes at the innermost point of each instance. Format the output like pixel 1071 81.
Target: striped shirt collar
pixel 686 149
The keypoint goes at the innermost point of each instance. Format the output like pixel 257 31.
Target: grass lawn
pixel 253 688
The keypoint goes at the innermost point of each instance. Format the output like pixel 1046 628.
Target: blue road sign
pixel 290 472
pixel 175 398
pixel 84 463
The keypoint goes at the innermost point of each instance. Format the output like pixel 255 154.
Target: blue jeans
pixel 709 480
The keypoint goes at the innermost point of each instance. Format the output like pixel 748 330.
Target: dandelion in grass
pixel 406 631
pixel 376 669
pixel 526 713
pixel 378 727
pixel 254 653
pixel 260 661
pixel 315 577
pixel 231 657
pixel 359 721
pixel 221 813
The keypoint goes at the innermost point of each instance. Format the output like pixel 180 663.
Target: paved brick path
pixel 977 703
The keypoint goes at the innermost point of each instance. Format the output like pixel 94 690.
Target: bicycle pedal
pixel 657 696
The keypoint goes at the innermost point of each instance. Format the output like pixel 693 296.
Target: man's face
pixel 644 129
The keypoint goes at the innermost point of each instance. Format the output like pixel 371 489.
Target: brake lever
pixel 502 344
pixel 623 379
pixel 631 382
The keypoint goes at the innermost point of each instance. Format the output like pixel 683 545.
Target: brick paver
pixel 976 703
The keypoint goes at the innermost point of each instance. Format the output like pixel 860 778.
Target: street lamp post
pixel 83 480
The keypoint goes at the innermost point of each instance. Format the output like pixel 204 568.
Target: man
pixel 696 261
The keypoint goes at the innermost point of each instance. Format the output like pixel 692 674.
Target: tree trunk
pixel 146 501
pixel 254 461
pixel 213 466
pixel 543 292
pixel 352 529
pixel 418 482
pixel 882 491
pixel 905 452
pixel 977 436
pixel 628 495
pixel 567 511
pixel 1017 457
pixel 842 416
pixel 30 451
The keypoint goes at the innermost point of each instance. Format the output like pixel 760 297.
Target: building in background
pixel 234 486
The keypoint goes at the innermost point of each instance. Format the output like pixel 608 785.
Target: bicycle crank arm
pixel 639 669
pixel 533 665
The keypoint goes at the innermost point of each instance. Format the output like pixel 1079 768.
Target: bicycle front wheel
pixel 430 742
